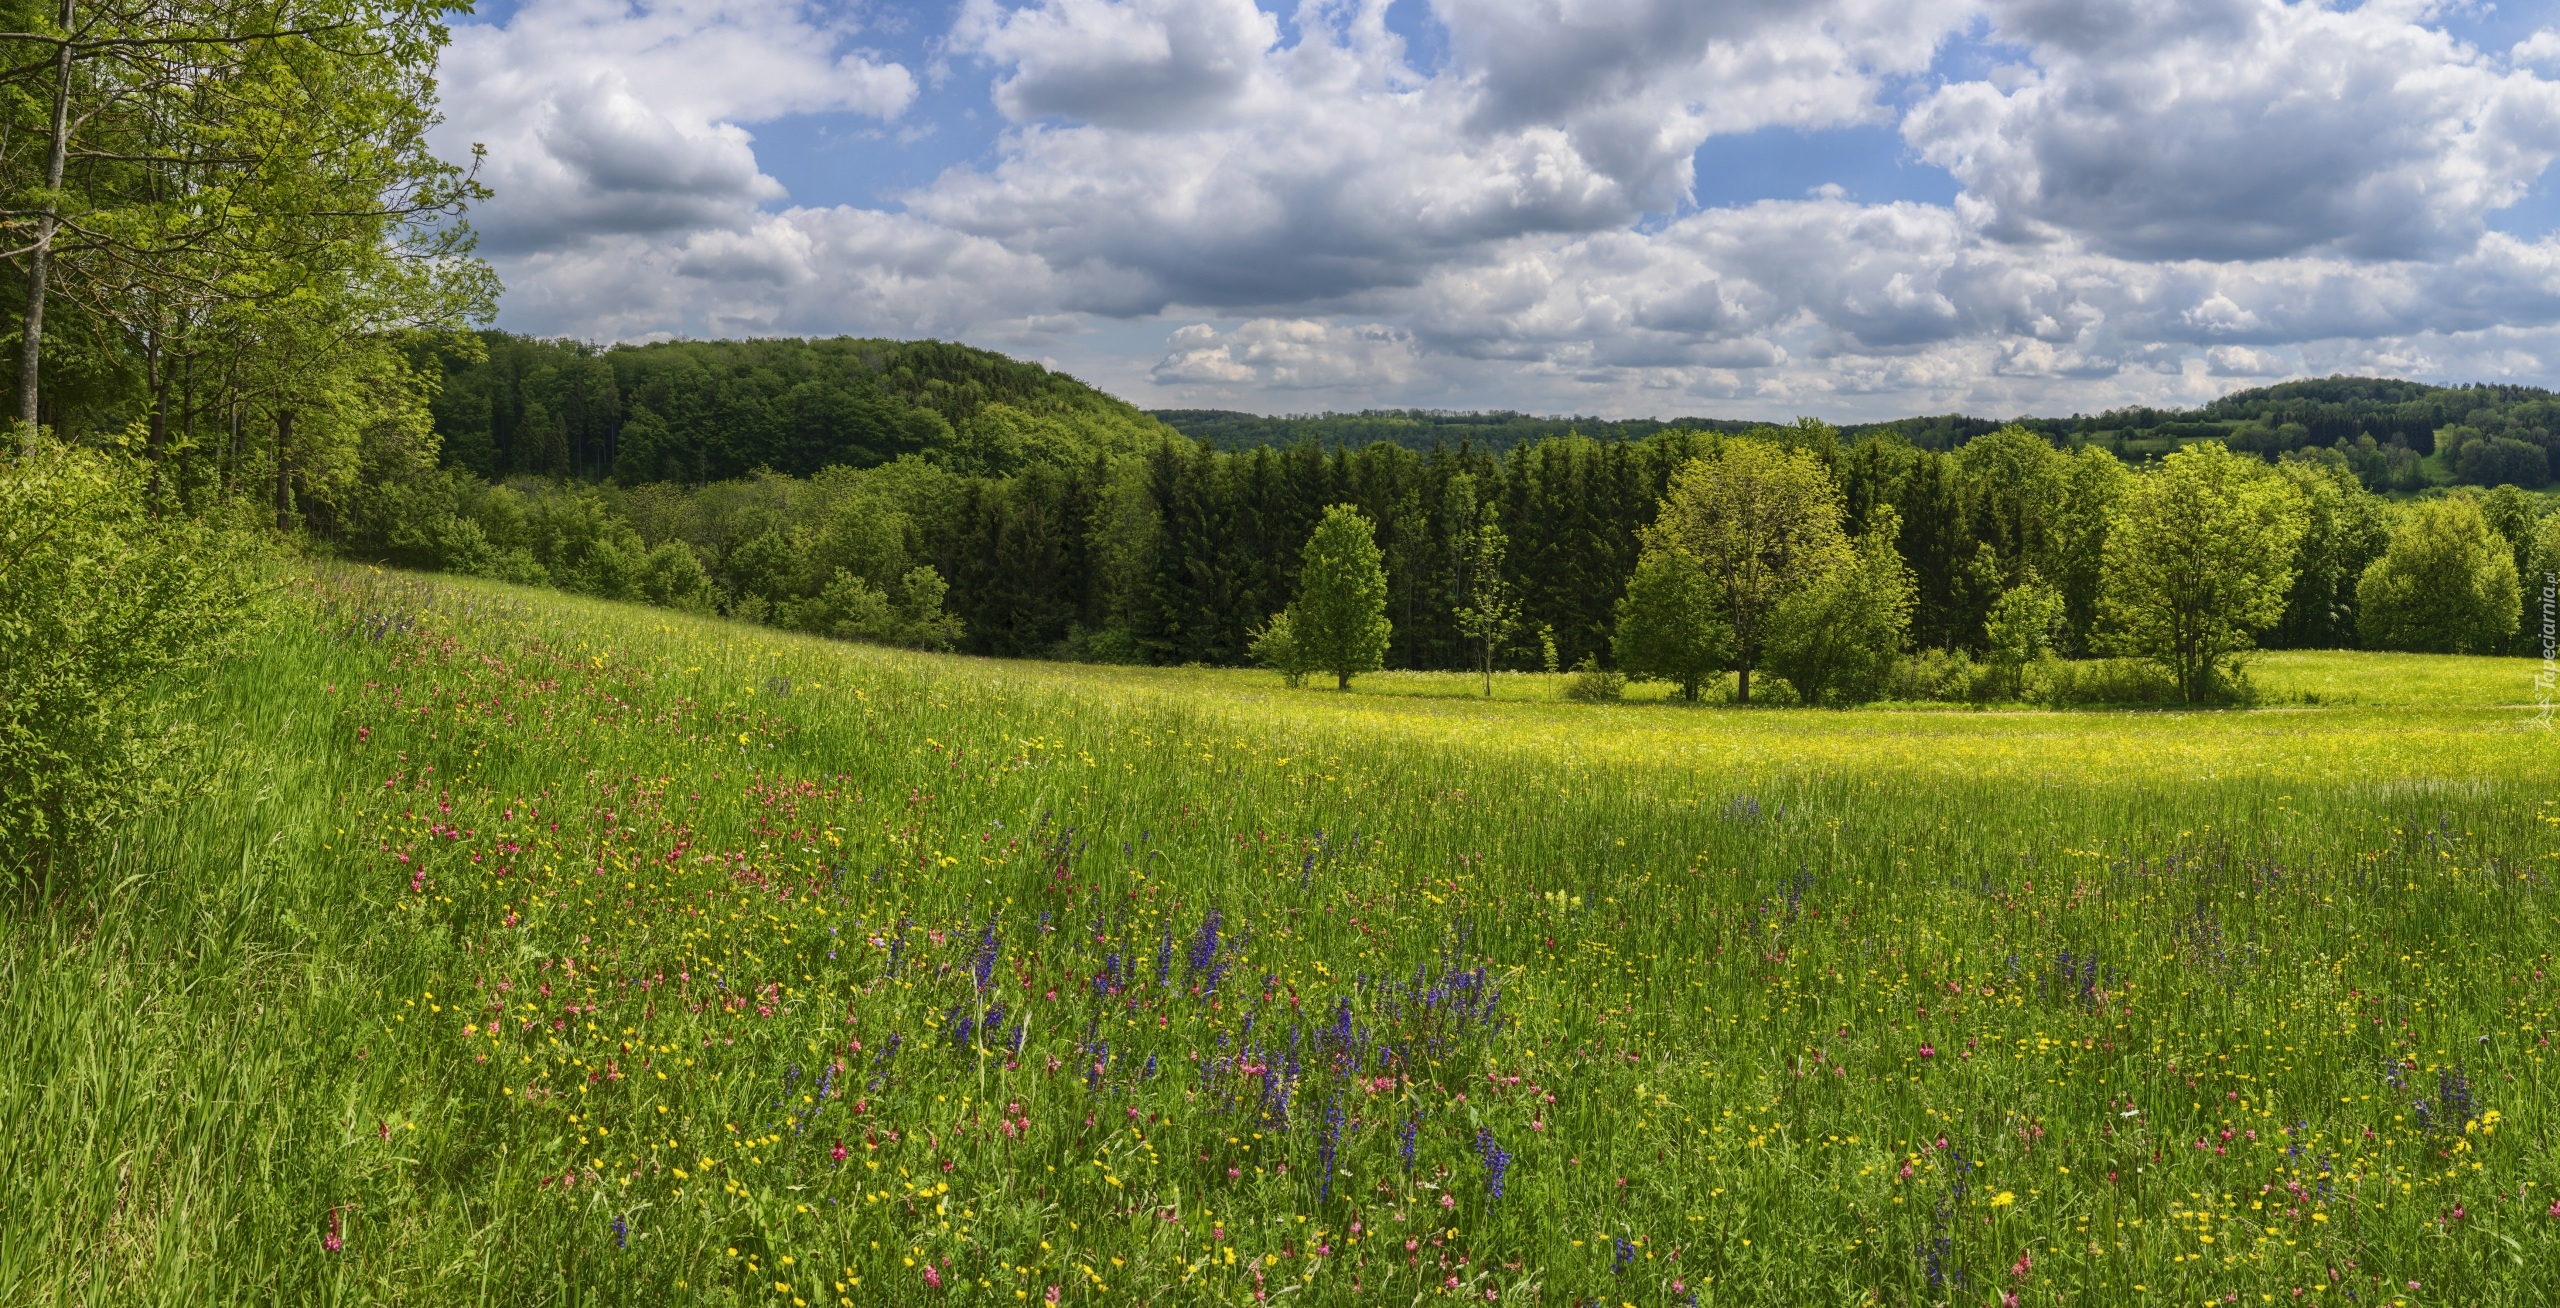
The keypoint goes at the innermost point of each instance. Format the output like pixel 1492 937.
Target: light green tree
pixel 1491 610
pixel 1763 523
pixel 2198 561
pixel 1340 616
pixel 2447 584
pixel 2023 626
pixel 1667 628
pixel 1836 637
pixel 1275 645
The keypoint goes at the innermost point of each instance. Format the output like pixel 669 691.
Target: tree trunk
pixel 1742 687
pixel 40 258
pixel 284 471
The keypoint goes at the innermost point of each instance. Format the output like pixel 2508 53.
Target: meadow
pixel 528 949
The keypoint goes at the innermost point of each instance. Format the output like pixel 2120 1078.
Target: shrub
pixel 1593 684
pixel 107 613
pixel 1276 646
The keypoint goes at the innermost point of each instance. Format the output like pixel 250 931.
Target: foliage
pixel 109 613
pixel 2198 560
pixel 1490 613
pixel 2446 585
pixel 1667 625
pixel 1340 616
pixel 1275 646
pixel 1835 638
pixel 2343 533
pixel 1593 684
pixel 2023 626
pixel 696 411
pixel 1763 522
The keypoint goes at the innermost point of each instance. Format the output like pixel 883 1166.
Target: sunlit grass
pixel 532 949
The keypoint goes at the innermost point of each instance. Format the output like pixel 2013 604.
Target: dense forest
pixel 696 411
pixel 931 493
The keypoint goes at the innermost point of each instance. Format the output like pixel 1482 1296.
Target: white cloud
pixel 2242 129
pixel 1120 63
pixel 1195 202
pixel 1296 354
pixel 602 118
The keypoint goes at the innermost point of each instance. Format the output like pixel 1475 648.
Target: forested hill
pixel 703 411
pixel 696 411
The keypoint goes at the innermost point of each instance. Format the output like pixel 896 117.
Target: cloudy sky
pixel 1856 208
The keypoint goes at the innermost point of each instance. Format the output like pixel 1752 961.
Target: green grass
pixel 1752 966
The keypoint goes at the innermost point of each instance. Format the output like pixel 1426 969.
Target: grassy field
pixel 533 950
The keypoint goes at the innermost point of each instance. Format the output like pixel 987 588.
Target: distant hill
pixel 705 410
pixel 1416 429
pixel 697 411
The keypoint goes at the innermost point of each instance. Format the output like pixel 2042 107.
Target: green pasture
pixel 528 949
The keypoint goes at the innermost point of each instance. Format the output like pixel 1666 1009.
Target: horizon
pixel 1848 208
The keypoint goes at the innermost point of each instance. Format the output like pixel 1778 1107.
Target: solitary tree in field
pixel 2447 584
pixel 1667 625
pixel 1763 523
pixel 2198 561
pixel 1340 619
pixel 1491 611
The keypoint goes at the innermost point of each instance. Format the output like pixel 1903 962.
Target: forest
pixel 936 494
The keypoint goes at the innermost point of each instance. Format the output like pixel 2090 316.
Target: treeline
pixel 2393 435
pixel 1182 553
pixel 1497 431
pixel 697 411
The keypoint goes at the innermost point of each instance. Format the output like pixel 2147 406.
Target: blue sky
pixel 1846 207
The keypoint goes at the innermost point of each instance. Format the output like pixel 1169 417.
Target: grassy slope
pixel 238 1027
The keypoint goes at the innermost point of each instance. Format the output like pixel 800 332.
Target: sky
pixel 1855 209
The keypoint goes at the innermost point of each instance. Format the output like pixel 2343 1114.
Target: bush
pixel 107 614
pixel 1276 646
pixel 1593 684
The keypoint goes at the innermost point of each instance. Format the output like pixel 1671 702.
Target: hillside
pixel 694 411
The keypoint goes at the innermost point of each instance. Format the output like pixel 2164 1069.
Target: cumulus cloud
pixel 1298 354
pixel 1197 202
pixel 603 119
pixel 2241 129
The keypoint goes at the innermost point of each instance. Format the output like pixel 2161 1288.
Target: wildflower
pixel 932 1278
pixel 2003 1199
pixel 621 1233
pixel 330 1241
pixel 838 1152
pixel 1928 1052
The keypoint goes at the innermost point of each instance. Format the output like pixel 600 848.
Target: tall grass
pixel 538 950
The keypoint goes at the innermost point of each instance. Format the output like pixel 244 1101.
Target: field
pixel 532 950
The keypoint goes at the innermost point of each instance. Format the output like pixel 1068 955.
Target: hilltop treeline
pixel 1498 431
pixel 696 411
pixel 2385 431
